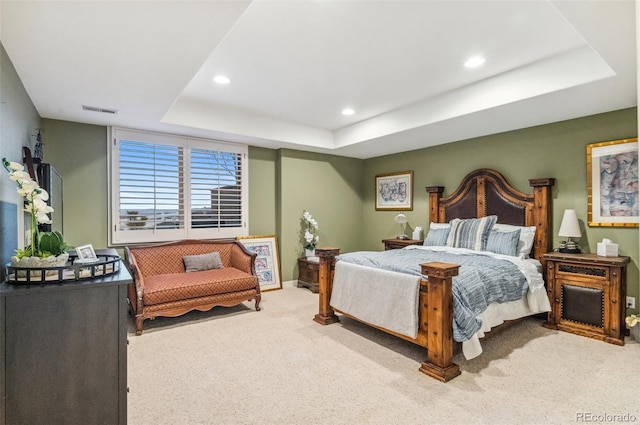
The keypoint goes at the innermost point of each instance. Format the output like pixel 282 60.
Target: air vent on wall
pixel 97 109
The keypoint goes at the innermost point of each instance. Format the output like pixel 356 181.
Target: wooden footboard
pixel 435 331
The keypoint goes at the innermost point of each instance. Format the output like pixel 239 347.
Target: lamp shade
pixel 570 226
pixel 400 218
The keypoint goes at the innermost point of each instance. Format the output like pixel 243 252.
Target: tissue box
pixel 607 249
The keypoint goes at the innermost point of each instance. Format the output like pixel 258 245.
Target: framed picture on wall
pixel 267 259
pixel 394 191
pixel 612 183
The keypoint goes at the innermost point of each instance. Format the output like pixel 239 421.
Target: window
pixel 167 187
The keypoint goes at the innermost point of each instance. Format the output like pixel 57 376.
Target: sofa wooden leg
pixel 258 298
pixel 139 321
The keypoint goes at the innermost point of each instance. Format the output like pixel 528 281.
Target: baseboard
pixel 290 284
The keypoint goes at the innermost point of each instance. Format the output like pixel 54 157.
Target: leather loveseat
pixel 171 279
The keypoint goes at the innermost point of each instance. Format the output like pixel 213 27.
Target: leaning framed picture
pixel 612 179
pixel 267 259
pixel 394 191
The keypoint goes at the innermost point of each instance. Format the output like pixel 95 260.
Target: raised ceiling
pixel 295 65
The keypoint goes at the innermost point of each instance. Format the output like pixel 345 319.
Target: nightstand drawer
pixel 581 271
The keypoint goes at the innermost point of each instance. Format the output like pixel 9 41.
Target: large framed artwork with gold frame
pixel 612 179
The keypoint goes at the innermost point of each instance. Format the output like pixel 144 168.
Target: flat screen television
pixel 51 181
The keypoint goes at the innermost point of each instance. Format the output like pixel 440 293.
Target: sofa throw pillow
pixel 437 237
pixel 505 243
pixel 470 233
pixel 208 261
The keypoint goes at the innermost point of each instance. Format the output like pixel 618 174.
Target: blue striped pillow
pixel 505 243
pixel 471 233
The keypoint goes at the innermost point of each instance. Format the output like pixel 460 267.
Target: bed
pixel 482 199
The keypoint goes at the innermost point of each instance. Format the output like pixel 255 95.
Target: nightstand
pixel 587 293
pixel 399 243
pixel 308 274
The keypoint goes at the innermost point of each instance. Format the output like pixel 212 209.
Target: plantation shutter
pixel 166 188
pixel 151 178
pixel 216 189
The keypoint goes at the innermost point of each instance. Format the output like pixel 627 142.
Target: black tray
pixel 106 264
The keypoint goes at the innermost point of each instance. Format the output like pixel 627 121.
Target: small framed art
pixel 394 191
pixel 267 259
pixel 86 253
pixel 612 183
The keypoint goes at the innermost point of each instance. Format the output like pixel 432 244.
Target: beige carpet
pixel 277 366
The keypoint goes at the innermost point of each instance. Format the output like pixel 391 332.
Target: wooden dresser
pixel 587 293
pixel 399 243
pixel 63 352
pixel 308 274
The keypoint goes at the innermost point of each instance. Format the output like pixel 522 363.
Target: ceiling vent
pixel 97 109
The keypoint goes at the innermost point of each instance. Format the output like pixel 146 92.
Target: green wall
pixel 554 150
pixel 262 191
pixel 79 153
pixel 330 188
pixel 19 121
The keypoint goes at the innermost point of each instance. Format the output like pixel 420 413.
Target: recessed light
pixel 348 111
pixel 221 79
pixel 474 62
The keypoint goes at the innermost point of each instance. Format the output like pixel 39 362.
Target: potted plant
pixel 44 249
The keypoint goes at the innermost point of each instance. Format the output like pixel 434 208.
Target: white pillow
pixel 527 236
pixel 433 225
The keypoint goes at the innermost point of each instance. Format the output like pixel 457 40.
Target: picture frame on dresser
pixel 86 253
pixel 267 259
pixel 612 184
pixel 394 191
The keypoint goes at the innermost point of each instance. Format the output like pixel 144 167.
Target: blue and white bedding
pixel 484 278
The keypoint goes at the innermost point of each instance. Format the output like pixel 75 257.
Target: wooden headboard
pixel 485 192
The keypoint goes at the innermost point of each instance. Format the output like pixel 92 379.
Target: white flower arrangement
pixel 42 244
pixel 310 226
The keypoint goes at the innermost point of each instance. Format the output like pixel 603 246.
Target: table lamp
pixel 569 228
pixel 402 220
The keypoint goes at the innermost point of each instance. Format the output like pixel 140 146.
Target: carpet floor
pixel 277 366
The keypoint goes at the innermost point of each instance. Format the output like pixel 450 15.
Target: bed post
pixel 435 193
pixel 439 363
pixel 326 315
pixel 542 215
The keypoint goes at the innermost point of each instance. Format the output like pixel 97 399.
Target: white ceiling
pixel 294 65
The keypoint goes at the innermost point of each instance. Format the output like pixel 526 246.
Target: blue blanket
pixel 482 280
